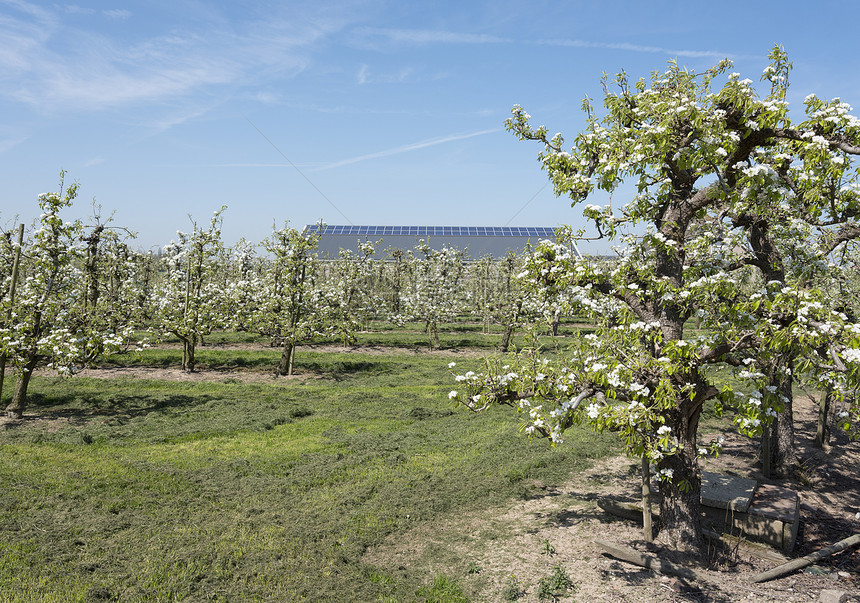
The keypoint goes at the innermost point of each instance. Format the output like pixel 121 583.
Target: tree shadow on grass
pixel 341 369
pixel 49 415
pixel 131 405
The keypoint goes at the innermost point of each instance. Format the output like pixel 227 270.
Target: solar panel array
pixel 436 231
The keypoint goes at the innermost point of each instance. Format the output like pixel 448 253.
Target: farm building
pixel 477 241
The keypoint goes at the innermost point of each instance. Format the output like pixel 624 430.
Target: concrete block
pixel 762 512
pixel 727 491
pixel 781 506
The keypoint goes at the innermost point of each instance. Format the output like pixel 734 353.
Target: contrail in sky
pixel 407 148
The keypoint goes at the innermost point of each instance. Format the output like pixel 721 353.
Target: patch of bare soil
pixel 177 374
pixel 373 350
pixel 252 376
pixel 558 524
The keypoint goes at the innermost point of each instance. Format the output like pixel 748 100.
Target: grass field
pixel 147 490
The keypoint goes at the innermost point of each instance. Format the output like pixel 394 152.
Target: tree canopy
pixel 738 216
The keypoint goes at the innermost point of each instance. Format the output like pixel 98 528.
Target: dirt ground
pixel 557 524
pixel 250 376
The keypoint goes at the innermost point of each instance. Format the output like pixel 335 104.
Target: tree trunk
pixel 18 404
pixel 783 454
pixel 505 343
pixel 285 366
pixel 764 453
pixel 2 374
pixel 556 321
pixel 188 349
pixel 680 511
pixel 433 332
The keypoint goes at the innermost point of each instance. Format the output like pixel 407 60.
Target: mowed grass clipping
pixel 142 490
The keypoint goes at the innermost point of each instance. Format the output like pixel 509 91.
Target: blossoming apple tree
pixel 501 296
pixel 190 302
pixel 47 323
pixel 707 163
pixel 348 293
pixel 290 308
pixel 242 283
pixel 435 289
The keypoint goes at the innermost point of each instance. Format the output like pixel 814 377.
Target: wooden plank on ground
pixel 648 562
pixel 787 568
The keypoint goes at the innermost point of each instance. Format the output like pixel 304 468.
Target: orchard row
pixel 73 291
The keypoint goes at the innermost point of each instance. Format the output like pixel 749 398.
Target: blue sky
pixel 376 112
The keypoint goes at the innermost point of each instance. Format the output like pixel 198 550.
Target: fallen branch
pixel 787 568
pixel 652 563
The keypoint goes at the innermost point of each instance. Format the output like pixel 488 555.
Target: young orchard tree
pixel 10 260
pixel 348 292
pixel 242 286
pixel 290 309
pixel 395 283
pixel 109 284
pixel 435 289
pixel 481 280
pixel 190 299
pixel 502 298
pixel 41 325
pixel 691 153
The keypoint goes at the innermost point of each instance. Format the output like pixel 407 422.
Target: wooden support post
pixel 787 568
pixel 646 499
pixel 822 436
pixel 15 264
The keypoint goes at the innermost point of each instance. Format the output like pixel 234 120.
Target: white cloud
pixel 117 13
pixel 55 66
pixel 10 143
pixel 407 148
pixel 177 118
pixel 268 98
pixel 74 9
pixel 365 76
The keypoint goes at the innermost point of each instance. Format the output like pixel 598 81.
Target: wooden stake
pixel 15 264
pixel 787 568
pixel 646 499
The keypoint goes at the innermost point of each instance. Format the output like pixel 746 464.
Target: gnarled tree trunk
pixel 783 454
pixel 680 511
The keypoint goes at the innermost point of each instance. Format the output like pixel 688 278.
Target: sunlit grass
pixel 146 490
